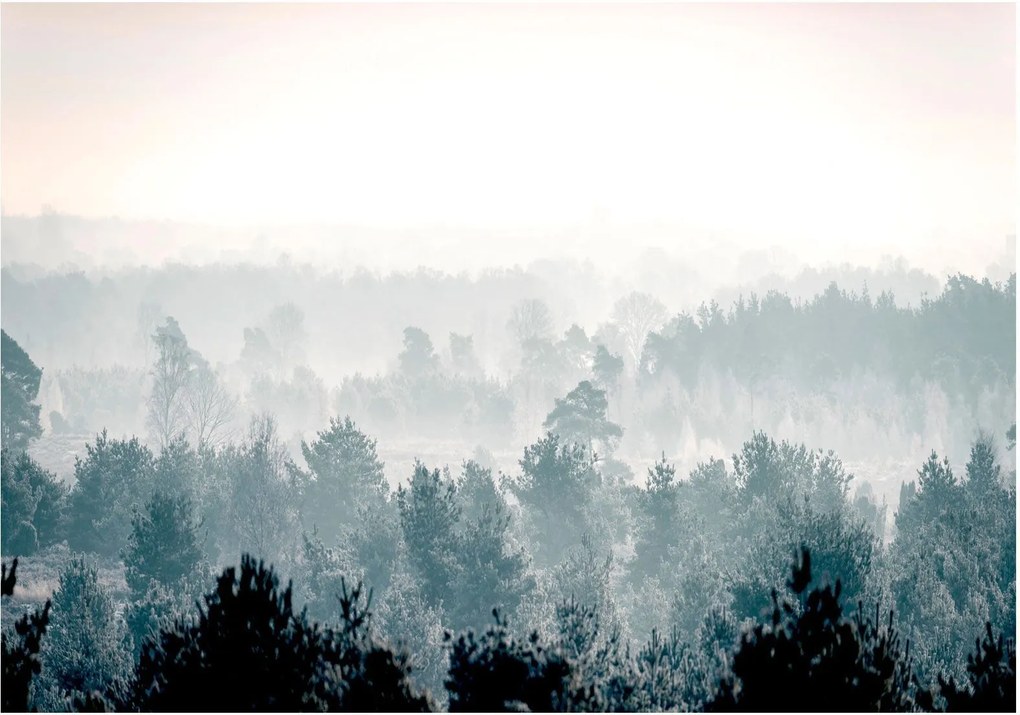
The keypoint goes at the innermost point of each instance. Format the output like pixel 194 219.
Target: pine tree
pixel 19 422
pixel 346 476
pixel 991 671
pixel 810 656
pixel 115 477
pixel 429 518
pixel 248 650
pixel 87 648
pixel 164 544
pixel 983 472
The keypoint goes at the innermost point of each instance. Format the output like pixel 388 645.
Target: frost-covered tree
pixel 114 478
pixel 323 570
pixel 87 647
pixel 18 534
pixel 407 620
pixel 210 406
pixel 493 570
pixel 991 682
pixel 556 486
pixel 263 495
pixel 936 492
pixel 477 489
pixel 164 544
pixel 429 518
pixel 345 475
pixel 983 472
pixel 171 373
pixel 584 577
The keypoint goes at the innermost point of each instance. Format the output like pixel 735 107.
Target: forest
pixel 786 502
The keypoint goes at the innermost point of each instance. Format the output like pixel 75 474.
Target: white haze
pixel 566 153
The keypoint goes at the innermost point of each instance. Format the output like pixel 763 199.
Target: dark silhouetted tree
pixel 812 657
pixel 495 672
pixel 20 646
pixel 248 650
pixel 991 671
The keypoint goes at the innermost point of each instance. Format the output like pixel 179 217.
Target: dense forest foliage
pixel 295 577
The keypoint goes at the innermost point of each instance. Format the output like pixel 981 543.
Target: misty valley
pixel 235 486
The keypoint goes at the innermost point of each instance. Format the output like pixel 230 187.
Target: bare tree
pixel 168 409
pixel 147 321
pixel 637 314
pixel 531 320
pixel 264 503
pixel 285 329
pixel 210 406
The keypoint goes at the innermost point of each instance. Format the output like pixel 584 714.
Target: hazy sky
pixel 887 125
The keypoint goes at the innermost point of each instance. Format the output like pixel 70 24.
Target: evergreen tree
pixel 580 417
pixel 34 504
pixel 19 502
pixel 249 650
pixel 418 358
pixel 495 672
pixel 19 422
pixel 476 489
pixel 983 472
pixel 991 671
pixel 662 519
pixel 115 477
pixel 164 544
pixel 493 571
pixel 87 648
pixel 346 475
pixel 810 656
pixel 556 487
pixel 606 368
pixel 429 518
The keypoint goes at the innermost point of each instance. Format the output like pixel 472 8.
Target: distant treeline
pixel 868 369
pixel 964 338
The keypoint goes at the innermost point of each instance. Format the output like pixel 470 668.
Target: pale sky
pixel 887 125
